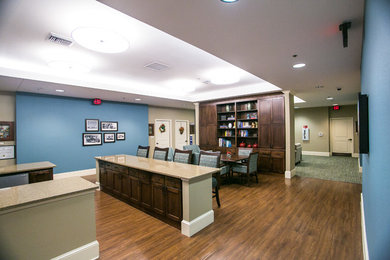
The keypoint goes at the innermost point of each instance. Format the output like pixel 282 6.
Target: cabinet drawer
pixel 172 182
pixel 265 152
pixel 144 176
pixel 277 154
pixel 119 168
pixel 156 178
pixel 133 173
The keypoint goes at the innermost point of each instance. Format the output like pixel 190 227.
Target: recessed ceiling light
pixel 60 90
pixel 229 1
pixel 224 76
pixel 100 39
pixel 137 99
pixel 299 65
pixel 335 104
pixel 329 98
pixel 296 107
pixel 68 66
pixel 182 85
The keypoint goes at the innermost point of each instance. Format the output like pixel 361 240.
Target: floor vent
pixel 59 40
pixel 157 66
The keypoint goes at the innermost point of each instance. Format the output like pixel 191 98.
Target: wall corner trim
pixel 190 228
pixel 74 173
pixel 355 155
pixel 316 153
pixel 364 235
pixel 87 251
pixel 290 174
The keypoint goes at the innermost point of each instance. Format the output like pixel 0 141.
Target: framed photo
pixel 108 126
pixel 151 129
pixel 109 138
pixel 6 131
pixel 91 125
pixel 92 139
pixel 120 136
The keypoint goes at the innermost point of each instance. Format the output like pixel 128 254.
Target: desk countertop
pixel 25 167
pixel 182 171
pixel 36 192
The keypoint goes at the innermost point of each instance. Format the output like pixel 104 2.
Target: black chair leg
pixel 257 180
pixel 217 196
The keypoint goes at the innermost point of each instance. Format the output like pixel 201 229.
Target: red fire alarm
pixel 97 101
pixel 336 107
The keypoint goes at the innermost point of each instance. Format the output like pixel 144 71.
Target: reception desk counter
pixel 179 194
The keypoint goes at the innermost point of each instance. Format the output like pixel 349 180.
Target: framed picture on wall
pixel 6 131
pixel 120 136
pixel 108 126
pixel 91 125
pixel 151 129
pixel 109 138
pixel 92 139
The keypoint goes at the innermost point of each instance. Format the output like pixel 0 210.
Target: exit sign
pixel 97 101
pixel 336 107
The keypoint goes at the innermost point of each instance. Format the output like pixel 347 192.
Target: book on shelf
pixel 222 142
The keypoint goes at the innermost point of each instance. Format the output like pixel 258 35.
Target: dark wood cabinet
pixel 155 194
pixel 261 118
pixel 40 175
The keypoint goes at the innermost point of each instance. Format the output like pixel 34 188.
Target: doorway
pixel 341 136
pixel 181 133
pixel 163 133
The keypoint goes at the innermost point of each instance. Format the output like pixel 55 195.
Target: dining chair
pixel 182 156
pixel 225 169
pixel 250 168
pixel 143 151
pixel 244 151
pixel 160 153
pixel 209 159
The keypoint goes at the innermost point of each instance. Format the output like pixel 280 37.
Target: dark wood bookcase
pixel 256 120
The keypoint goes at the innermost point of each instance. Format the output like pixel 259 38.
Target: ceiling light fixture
pixel 229 1
pixel 299 65
pixel 68 66
pixel 329 98
pixel 224 76
pixel 100 39
pixel 335 104
pixel 137 99
pixel 60 90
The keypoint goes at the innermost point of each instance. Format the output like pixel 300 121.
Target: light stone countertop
pixel 182 171
pixel 25 167
pixel 36 192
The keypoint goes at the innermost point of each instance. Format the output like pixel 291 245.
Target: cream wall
pixel 7 113
pixel 172 114
pixel 318 120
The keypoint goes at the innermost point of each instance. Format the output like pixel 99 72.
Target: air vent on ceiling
pixel 206 82
pixel 157 66
pixel 59 39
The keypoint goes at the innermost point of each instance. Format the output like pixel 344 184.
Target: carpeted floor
pixel 334 168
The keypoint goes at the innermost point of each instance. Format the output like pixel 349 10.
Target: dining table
pixel 232 160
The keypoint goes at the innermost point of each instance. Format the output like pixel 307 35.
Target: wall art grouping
pixel 92 125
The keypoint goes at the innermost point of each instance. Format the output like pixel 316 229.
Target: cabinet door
pixel 117 183
pixel 278 161
pixel 277 115
pixel 265 161
pixel 125 186
pixel 265 111
pixel 277 136
pixel 41 175
pixel 264 136
pixel 173 199
pixel 145 190
pixel 102 177
pixel 110 180
pixel 158 194
pixel 134 186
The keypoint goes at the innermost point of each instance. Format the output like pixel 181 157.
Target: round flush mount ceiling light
pixel 299 65
pixel 224 77
pixel 68 66
pixel 137 99
pixel 60 90
pixel 229 1
pixel 100 40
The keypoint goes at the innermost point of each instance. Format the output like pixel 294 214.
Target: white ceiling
pixel 257 38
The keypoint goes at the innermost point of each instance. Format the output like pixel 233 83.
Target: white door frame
pixel 170 130
pixel 187 132
pixel 331 133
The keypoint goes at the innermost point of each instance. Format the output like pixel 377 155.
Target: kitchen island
pixel 179 194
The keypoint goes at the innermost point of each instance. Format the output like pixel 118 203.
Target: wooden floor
pixel 276 219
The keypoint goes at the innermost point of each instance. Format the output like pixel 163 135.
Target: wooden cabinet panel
pixel 109 179
pixel 158 196
pixel 264 111
pixel 41 175
pixel 265 160
pixel 173 203
pixel 277 115
pixel 278 161
pixel 277 136
pixel 126 187
pixel 207 114
pixel 102 177
pixel 265 139
pixel 145 189
pixel 117 183
pixel 134 189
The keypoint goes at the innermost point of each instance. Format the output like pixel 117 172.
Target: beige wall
pixel 172 114
pixel 7 113
pixel 318 120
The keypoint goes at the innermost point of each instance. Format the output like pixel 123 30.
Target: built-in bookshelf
pixel 226 130
pixel 247 123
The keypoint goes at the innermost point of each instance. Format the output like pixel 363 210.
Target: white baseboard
pixel 89 251
pixel 316 153
pixel 191 228
pixel 355 155
pixel 290 174
pixel 364 235
pixel 74 173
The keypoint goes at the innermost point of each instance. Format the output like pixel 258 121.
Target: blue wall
pixel 49 128
pixel 376 165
